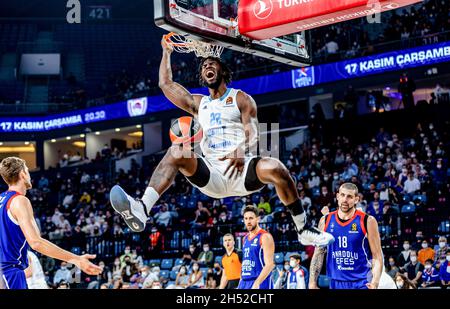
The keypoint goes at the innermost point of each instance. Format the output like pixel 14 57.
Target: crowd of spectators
pixel 418 25
pixel 402 181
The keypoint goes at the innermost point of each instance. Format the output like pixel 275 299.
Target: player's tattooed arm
pixel 173 91
pixel 249 117
pixel 317 261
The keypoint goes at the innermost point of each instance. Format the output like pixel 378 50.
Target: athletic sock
pixel 149 198
pixel 298 214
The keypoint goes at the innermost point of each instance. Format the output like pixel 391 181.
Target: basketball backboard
pixel 215 21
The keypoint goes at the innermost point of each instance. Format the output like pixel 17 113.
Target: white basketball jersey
pixel 221 122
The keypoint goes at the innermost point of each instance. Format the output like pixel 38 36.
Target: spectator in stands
pixel 375 208
pixel 153 276
pixel 296 278
pixel 414 269
pixel 324 200
pixel 426 253
pixel 403 283
pixel 191 255
pixel 62 274
pixel 313 180
pixel 263 204
pixel 196 280
pixel 281 281
pixel 411 185
pixel 305 200
pixel 206 257
pixel 392 269
pixel 406 87
pixel 218 272
pixel 202 215
pixel 182 280
pixel 441 249
pixel 43 183
pixel 210 282
pixel 430 276
pixel 164 216
pixel 117 268
pixel 444 271
pixel 126 253
pixel 419 239
pixel 137 259
pixel 128 269
pixel 85 198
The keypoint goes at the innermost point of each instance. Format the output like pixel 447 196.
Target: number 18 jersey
pixel 349 256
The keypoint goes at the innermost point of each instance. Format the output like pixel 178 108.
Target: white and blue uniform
pixel 349 257
pixel 13 246
pixel 253 262
pixel 223 132
pixel 297 279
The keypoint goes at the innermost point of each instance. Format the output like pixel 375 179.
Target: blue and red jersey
pixel 13 245
pixel 349 256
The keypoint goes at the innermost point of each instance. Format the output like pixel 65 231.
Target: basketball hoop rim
pixel 167 38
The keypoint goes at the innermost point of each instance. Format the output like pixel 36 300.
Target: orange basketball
pixel 185 130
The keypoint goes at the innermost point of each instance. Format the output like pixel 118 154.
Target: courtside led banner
pixel 336 71
pixel 265 19
pixel 299 78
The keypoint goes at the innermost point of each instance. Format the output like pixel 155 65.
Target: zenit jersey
pixel 13 245
pixel 253 256
pixel 222 126
pixel 349 256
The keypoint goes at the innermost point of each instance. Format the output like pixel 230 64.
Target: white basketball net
pixel 183 44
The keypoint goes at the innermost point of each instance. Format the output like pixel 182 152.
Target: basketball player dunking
pixel 227 167
pixel 258 250
pixel 355 259
pixel 19 231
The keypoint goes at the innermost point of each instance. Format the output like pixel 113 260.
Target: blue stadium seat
pixel 316 191
pixel 164 274
pixel 323 282
pixel 279 208
pixel 408 209
pixel 255 198
pixel 173 275
pixel 178 262
pixel 154 262
pixel 384 229
pixel 204 271
pixel 166 264
pixel 170 283
pixel 279 258
pixel 422 198
pixel 448 172
pixel 444 227
pixel 218 259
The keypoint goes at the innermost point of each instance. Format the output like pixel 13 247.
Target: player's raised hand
pixel 166 46
pixel 86 266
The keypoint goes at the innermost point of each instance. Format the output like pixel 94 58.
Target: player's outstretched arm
pixel 268 247
pixel 377 255
pixel 23 212
pixel 317 260
pixel 173 91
